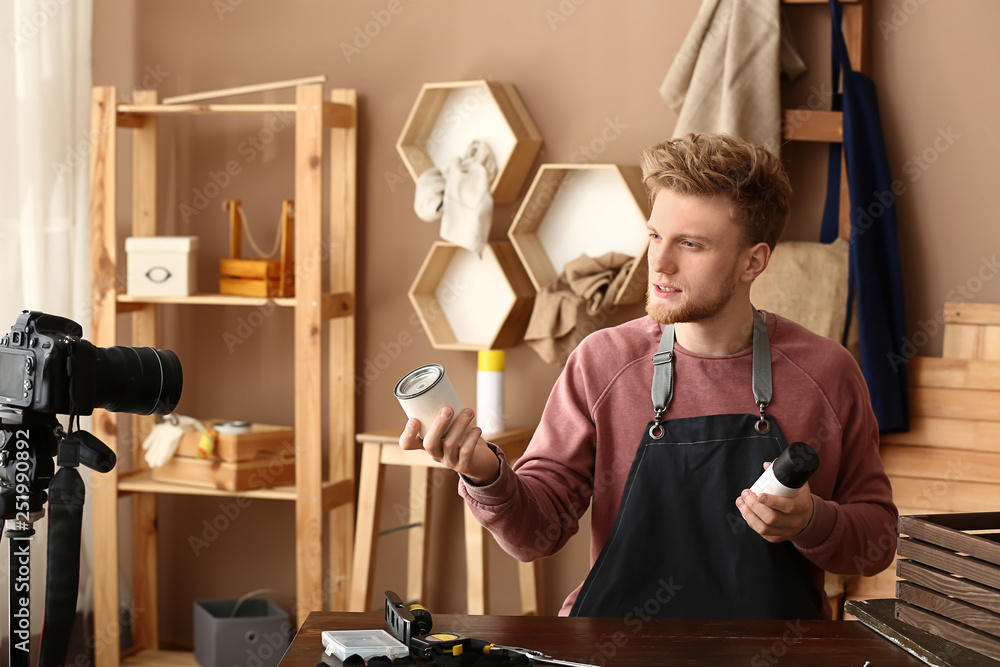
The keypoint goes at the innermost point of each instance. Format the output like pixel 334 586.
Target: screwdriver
pixel 535 657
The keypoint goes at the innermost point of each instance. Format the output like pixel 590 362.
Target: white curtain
pixel 45 79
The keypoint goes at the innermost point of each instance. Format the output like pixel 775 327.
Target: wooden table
pixel 636 642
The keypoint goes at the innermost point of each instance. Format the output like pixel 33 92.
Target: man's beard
pixel 689 310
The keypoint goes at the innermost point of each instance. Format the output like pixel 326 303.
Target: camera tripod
pixel 28 441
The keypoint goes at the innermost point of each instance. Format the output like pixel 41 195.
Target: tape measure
pixel 449 643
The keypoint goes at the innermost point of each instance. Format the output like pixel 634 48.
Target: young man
pixel 664 423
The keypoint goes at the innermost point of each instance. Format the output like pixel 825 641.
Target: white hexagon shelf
pixel 467 302
pixel 583 209
pixel 447 117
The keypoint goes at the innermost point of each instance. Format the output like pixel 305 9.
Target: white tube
pixel 489 392
pixel 767 483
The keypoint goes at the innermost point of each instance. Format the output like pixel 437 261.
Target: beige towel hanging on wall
pixel 726 77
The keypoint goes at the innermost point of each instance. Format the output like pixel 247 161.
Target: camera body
pixel 47 367
pixel 42 360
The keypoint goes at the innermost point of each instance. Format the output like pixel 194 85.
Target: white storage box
pixel 161 265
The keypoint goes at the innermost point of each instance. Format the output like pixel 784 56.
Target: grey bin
pixel 256 636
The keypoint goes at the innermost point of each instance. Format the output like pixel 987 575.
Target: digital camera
pixel 46 366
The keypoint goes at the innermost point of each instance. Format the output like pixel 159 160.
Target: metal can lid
pixel 419 381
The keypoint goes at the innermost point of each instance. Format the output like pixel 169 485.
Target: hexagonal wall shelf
pixel 470 303
pixel 447 117
pixel 583 209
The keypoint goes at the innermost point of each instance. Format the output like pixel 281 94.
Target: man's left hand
pixel 775 518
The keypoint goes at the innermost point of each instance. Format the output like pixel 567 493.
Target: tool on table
pixel 412 626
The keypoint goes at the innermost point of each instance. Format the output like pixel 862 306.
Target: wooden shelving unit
pixel 324 331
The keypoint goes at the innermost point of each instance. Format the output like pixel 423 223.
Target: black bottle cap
pixel 795 465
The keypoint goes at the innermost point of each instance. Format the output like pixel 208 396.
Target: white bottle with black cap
pixel 789 472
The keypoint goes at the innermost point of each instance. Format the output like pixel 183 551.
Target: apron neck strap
pixel 663 370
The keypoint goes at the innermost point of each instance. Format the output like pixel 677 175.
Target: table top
pixel 636 641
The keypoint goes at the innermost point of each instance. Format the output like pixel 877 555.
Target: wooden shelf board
pixel 202 108
pixel 160 659
pixel 208 300
pixel 143 482
pixel 334 114
pixel 335 493
pixel 333 305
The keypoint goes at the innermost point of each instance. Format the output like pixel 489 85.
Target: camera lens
pixel 140 380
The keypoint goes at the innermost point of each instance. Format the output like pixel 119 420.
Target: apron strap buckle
pixel 665 357
pixel 762 426
pixel 656 431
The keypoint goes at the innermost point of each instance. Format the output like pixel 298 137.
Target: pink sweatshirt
pixel 592 423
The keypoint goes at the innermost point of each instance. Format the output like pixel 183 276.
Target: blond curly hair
pixel 750 177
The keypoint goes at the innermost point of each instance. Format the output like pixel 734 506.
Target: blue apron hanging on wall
pixel 875 279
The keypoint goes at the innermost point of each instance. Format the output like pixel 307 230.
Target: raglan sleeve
pixel 534 507
pixel 854 530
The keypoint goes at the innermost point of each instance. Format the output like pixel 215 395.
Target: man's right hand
pixel 462 449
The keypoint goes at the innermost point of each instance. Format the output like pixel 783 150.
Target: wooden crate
pixel 949 460
pixel 260 459
pixel 950 578
pixel 972 330
pixel 261 473
pixel 263 439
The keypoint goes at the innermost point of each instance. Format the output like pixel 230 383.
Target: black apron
pixel 679 547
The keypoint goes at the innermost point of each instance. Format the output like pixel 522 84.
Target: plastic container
pixel 365 643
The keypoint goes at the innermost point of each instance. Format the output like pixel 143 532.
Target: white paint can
pixel 424 391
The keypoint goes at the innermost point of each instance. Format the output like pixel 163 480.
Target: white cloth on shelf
pixel 460 196
pixel 162 442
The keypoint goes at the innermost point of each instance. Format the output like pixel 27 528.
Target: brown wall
pixel 579 66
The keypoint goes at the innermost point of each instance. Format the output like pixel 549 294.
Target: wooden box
pixel 258 277
pixel 467 302
pixel 949 571
pixel 259 459
pixel 583 209
pixel 255 277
